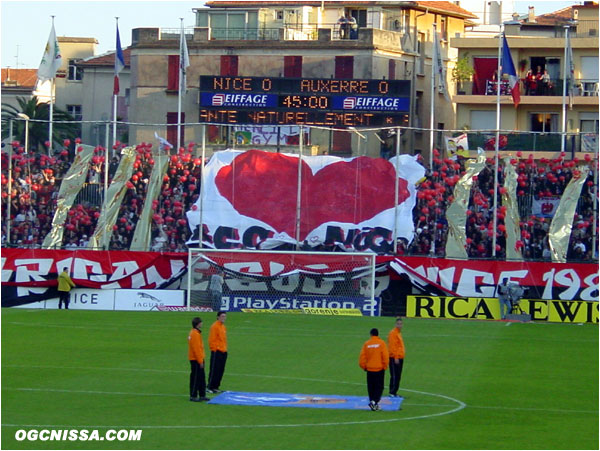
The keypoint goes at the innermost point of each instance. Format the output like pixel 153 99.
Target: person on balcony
pixel 530 83
pixel 353 26
pixel 344 27
pixel 545 82
pixel 538 80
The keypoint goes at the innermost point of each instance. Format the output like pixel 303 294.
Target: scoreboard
pixel 304 101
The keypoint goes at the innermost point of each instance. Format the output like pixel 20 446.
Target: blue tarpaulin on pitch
pixel 297 400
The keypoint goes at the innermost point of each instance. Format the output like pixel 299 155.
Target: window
pixel 75 111
pixel 544 122
pixel 443 28
pixel 485 67
pixel 391 69
pixel 483 120
pixel 341 143
pixel 344 67
pixel 292 66
pixel 588 122
pixel 173 75
pixel 406 21
pixel 279 15
pixel 75 73
pixel 229 65
pixel 172 129
pixel 421 52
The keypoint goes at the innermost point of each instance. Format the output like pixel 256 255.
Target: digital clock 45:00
pixel 305 102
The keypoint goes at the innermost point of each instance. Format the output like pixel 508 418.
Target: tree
pixel 461 72
pixel 38 131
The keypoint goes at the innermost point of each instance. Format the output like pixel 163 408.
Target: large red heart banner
pixel 251 200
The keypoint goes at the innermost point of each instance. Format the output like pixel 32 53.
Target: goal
pixel 283 281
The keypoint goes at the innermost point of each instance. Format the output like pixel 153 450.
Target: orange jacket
pixel 396 344
pixel 217 337
pixel 374 355
pixel 195 346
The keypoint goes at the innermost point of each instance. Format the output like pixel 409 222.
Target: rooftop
pixel 449 8
pixel 106 59
pixel 19 77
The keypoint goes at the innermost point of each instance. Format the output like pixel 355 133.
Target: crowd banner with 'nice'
pixel 69 188
pixel 250 198
pixel 456 215
pixel 114 198
pixel 562 224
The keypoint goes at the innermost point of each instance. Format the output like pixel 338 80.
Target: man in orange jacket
pixel 396 347
pixel 374 359
pixel 196 357
pixel 217 342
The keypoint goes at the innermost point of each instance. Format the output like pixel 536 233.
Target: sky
pixel 25 25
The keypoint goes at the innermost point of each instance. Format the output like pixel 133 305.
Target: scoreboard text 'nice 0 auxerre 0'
pixel 304 101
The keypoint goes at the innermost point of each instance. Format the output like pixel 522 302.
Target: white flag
pixel 438 64
pixel 184 61
pixel 164 145
pixel 51 61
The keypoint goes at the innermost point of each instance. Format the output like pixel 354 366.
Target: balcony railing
pixel 581 87
pixel 534 141
pixel 245 34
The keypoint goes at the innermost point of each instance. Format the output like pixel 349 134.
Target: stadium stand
pixel 36 180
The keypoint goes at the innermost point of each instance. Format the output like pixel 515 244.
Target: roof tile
pixel 22 77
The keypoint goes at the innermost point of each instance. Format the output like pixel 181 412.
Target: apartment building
pixel 537 44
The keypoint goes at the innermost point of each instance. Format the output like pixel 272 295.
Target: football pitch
pixel 466 384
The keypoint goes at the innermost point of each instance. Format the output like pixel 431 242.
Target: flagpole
pixel 431 111
pixel 114 131
pixel 181 38
pixel 51 118
pixel 564 93
pixel 396 190
pixel 497 145
pixel 201 229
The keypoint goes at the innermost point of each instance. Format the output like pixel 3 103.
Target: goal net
pixel 282 281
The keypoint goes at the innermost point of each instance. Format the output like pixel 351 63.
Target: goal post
pixel 283 280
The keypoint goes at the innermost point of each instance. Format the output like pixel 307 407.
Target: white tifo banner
pixel 250 200
pixel 94 299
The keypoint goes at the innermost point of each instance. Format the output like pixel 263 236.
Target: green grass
pixel 467 384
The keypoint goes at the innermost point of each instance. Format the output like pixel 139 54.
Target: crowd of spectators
pixel 36 180
pixel 537 179
pixel 36 183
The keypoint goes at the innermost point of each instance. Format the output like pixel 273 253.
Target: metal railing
pixel 581 87
pixel 245 34
pixel 534 141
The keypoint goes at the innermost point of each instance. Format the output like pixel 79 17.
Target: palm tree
pixel 38 131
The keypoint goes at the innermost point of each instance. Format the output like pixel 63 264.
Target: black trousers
pixel 217 368
pixel 63 296
pixel 197 380
pixel 375 381
pixel 395 375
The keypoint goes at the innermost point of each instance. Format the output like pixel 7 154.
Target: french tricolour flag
pixel 508 68
pixel 119 63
